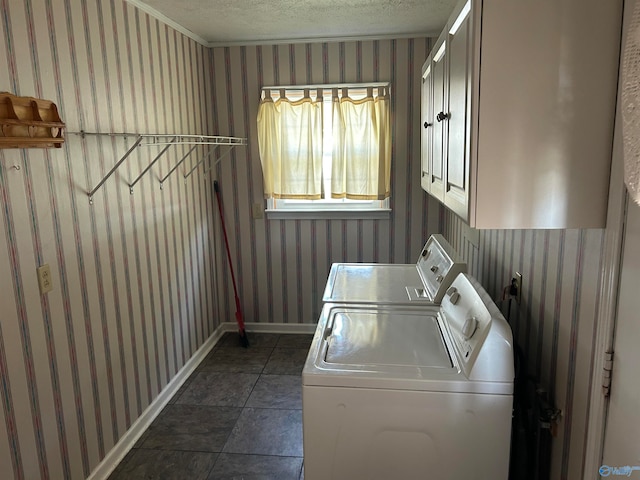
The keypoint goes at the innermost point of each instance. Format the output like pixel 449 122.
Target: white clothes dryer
pixel 410 392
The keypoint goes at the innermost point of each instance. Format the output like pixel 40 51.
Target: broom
pixel 244 341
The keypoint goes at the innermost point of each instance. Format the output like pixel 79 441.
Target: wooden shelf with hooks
pixel 28 122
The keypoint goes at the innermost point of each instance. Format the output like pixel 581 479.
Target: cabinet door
pixel 456 190
pixel 427 124
pixel 439 151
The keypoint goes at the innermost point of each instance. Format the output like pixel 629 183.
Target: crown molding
pixel 166 20
pixel 265 41
pixel 362 38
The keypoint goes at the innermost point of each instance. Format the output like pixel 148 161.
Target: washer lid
pixel 366 338
pixel 403 347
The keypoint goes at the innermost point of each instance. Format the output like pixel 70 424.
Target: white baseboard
pixel 270 327
pixel 128 440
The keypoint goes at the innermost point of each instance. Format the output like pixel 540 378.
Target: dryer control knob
pixel 439 278
pixel 451 290
pixel 426 253
pixel 434 268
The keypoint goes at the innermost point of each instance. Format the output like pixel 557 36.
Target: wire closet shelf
pixel 166 141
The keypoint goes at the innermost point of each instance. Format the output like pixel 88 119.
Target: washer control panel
pixel 467 317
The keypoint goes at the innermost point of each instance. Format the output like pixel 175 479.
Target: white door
pixel 622 431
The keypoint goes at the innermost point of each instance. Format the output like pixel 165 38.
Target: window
pixel 325 149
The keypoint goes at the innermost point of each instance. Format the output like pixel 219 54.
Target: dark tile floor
pixel 238 416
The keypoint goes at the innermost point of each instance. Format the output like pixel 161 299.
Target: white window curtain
pixel 290 144
pixel 361 167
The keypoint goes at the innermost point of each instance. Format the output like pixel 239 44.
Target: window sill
pixel 284 214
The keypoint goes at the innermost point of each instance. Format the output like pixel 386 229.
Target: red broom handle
pixel 226 244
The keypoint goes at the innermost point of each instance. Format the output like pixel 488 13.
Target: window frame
pixel 277 208
pixel 320 209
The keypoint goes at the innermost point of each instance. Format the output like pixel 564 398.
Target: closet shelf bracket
pixel 218 160
pixel 166 141
pixel 211 152
pixel 153 162
pixel 176 166
pixel 115 167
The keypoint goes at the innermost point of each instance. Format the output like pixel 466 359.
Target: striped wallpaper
pixel 133 294
pixel 555 325
pixel 282 265
pixel 135 275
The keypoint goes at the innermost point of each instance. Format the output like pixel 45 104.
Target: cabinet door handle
pixel 427 124
pixel 442 116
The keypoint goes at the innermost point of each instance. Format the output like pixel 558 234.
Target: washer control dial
pixel 469 328
pixel 454 296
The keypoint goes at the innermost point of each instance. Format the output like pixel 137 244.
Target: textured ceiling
pixel 247 21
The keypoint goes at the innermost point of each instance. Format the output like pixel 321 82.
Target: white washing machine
pixel 423 283
pixel 410 392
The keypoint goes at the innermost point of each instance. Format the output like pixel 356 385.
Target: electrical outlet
pixel 518 279
pixel 45 281
pixel 258 211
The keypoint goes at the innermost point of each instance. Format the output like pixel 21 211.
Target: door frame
pixel 611 267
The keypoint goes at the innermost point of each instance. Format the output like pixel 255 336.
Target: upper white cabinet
pixel 426 113
pixel 518 109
